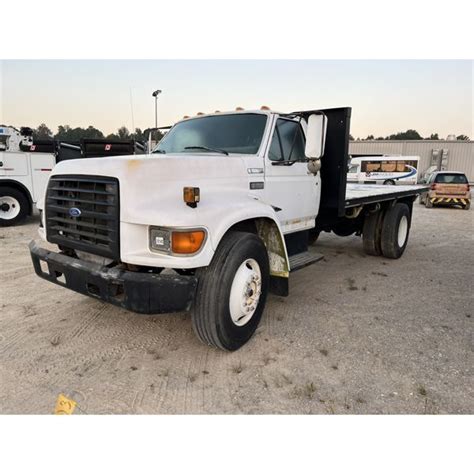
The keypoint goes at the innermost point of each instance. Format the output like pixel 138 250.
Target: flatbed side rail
pixel 355 200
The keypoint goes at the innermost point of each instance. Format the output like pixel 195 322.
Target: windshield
pixel 235 133
pixel 451 178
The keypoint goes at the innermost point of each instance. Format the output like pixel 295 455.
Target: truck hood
pixel 151 186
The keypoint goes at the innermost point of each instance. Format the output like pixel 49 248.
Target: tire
pixel 428 203
pixel 467 206
pixel 313 236
pixel 395 231
pixel 220 292
pixel 14 206
pixel 371 233
pixel 389 182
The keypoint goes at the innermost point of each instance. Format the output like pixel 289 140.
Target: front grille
pixel 93 223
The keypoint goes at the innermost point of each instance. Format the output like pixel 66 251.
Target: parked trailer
pixel 220 214
pixel 383 169
pixel 26 164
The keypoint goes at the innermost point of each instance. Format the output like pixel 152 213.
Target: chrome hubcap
pixel 245 292
pixel 402 231
pixel 9 207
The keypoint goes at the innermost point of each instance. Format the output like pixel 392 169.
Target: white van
pixel 384 169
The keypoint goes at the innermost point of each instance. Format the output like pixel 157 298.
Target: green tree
pixel 66 133
pixel 462 137
pixel 410 134
pixel 139 135
pixel 42 132
pixel 434 136
pixel 370 137
pixel 112 136
pixel 156 135
pixel 123 133
pixel 92 132
pixel 351 137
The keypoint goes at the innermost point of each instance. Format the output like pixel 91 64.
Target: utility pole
pixel 155 95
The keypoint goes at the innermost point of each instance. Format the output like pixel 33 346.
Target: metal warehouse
pixel 454 155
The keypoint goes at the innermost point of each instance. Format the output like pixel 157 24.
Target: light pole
pixel 155 95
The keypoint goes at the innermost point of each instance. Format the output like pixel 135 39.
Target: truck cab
pixel 215 217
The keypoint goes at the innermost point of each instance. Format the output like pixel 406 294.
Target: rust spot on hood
pixel 133 164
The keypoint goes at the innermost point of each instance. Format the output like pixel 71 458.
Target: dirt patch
pixel 401 344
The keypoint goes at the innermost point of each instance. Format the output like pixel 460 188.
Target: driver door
pixel 290 188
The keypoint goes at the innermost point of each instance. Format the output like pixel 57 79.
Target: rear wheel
pixel 395 231
pixel 390 182
pixel 428 203
pixel 13 206
pixel 231 292
pixel 371 233
pixel 467 206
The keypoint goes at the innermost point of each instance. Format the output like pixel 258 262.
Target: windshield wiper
pixel 159 151
pixel 217 150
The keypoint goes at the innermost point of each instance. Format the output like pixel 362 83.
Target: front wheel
pixel 231 292
pixel 390 182
pixel 467 206
pixel 13 206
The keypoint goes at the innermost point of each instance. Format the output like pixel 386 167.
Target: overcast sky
pixel 385 96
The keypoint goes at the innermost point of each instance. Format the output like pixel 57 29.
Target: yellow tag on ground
pixel 64 405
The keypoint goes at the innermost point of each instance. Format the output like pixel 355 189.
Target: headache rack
pixel 82 213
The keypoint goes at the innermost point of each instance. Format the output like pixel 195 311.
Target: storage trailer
pixel 222 211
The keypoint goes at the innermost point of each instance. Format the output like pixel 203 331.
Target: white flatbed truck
pixel 219 214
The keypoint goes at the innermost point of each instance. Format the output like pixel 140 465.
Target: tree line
pixel 68 133
pixel 410 134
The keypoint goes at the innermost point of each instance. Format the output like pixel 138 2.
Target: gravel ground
pixel 357 334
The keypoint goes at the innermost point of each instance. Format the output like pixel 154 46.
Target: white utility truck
pixel 219 214
pixel 25 166
pixel 24 171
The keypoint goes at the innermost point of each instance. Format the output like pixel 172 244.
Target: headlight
pixel 160 239
pixel 180 242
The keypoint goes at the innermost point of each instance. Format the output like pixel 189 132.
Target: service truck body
pixel 220 214
pixel 26 164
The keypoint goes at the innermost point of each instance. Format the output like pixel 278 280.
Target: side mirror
pixel 316 136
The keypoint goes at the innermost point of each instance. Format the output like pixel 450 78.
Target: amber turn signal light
pixel 187 242
pixel 191 196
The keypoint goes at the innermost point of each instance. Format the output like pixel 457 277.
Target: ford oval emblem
pixel 74 212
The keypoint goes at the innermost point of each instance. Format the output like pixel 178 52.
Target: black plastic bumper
pixel 145 293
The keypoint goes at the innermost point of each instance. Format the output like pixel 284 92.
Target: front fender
pixel 268 229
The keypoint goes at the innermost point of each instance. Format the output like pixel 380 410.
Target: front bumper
pixel 147 293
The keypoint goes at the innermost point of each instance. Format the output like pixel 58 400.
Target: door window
pixel 288 142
